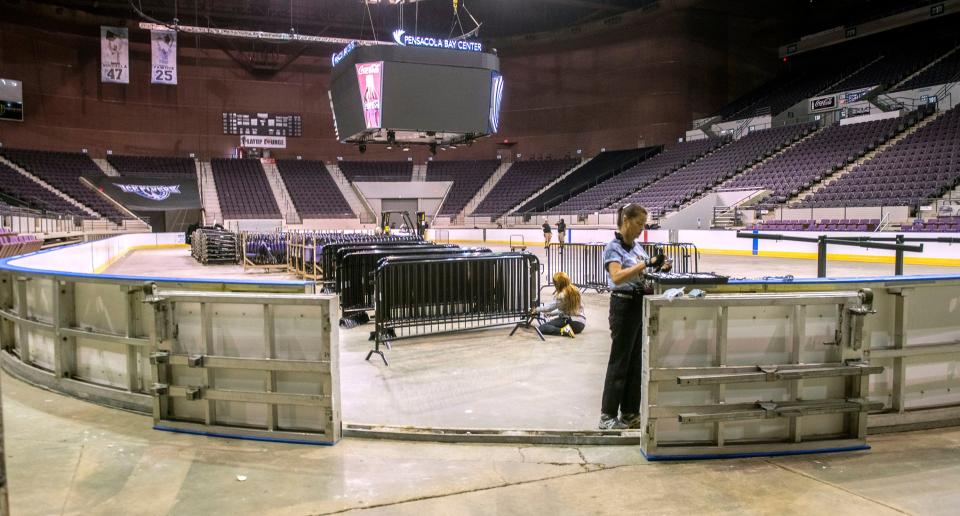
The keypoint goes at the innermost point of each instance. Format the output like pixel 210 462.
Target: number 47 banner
pixel 114 56
pixel 163 47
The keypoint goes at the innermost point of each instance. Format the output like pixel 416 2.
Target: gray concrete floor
pixel 485 379
pixel 66 456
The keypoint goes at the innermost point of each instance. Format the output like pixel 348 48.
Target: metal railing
pixel 584 262
pixel 354 276
pixel 899 245
pixel 416 296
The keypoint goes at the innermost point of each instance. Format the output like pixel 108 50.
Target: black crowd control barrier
pixel 685 257
pixel 584 262
pixel 355 282
pixel 418 295
pixel 306 248
pixel 326 254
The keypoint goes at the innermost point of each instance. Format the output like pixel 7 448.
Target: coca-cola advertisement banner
pixel 370 79
pixel 823 103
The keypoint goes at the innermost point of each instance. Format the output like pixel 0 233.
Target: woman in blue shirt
pixel 625 262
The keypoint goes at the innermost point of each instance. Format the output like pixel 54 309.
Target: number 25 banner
pixel 114 55
pixel 163 47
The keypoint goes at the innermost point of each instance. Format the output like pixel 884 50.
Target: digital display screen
pixel 262 124
pixel 417 90
pixel 11 100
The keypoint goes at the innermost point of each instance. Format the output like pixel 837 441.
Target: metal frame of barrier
pixel 88 335
pixel 420 296
pixel 266 267
pixel 355 282
pixel 328 253
pixel 584 262
pixel 221 368
pixel 899 245
pixel 715 393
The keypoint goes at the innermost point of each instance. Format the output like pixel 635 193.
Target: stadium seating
pixel 12 244
pixel 33 195
pixel 877 60
pixel 377 170
pixel 243 189
pixel 148 166
pixel 467 176
pixel 312 190
pixel 636 177
pixel 920 167
pixel 948 224
pixel 812 225
pixel 944 71
pixel 602 167
pixel 816 157
pixel 697 178
pixel 63 171
pixel 522 180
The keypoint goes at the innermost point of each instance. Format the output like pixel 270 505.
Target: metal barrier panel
pixel 417 296
pixel 250 365
pixel 685 257
pixel 76 335
pixel 355 282
pixel 339 252
pixel 326 254
pixel 915 336
pixel 735 374
pixel 584 262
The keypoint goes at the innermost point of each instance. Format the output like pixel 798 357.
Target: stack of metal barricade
pixel 211 245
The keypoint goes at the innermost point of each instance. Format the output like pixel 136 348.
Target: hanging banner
pixel 154 193
pixel 370 79
pixel 263 142
pixel 163 51
pixel 114 55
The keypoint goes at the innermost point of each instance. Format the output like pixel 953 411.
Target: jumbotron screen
pixel 414 94
pixel 11 100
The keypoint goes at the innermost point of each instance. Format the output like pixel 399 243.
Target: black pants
pixel 552 327
pixel 621 387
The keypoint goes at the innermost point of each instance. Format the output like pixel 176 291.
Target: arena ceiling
pixel 350 18
pixel 499 18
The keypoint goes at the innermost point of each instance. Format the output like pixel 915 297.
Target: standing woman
pixel 547 233
pixel 625 262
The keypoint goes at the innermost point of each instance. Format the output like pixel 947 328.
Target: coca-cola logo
pixel 823 103
pixel 368 68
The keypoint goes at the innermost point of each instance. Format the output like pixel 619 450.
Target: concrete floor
pixel 485 379
pixel 66 456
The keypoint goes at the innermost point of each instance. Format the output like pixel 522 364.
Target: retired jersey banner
pixel 114 55
pixel 163 52
pixel 370 79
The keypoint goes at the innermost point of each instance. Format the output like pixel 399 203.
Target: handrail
pixel 866 242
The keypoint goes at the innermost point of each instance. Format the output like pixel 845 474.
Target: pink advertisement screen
pixel 370 79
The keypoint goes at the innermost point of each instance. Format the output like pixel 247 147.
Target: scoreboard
pixel 262 124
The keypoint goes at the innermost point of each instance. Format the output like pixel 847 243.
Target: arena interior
pixel 292 256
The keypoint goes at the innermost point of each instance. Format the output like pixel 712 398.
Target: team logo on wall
pixel 370 79
pixel 163 67
pixel 114 55
pixel 152 192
